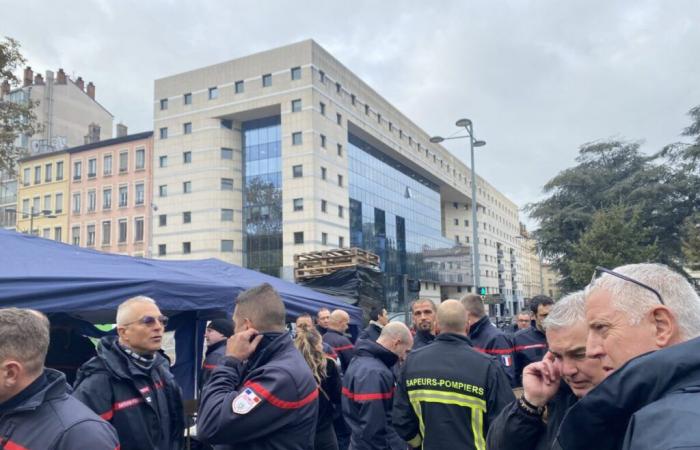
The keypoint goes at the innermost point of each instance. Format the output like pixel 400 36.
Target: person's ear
pixel 666 327
pixel 13 371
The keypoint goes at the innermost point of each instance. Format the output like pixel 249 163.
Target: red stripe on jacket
pixel 278 402
pixel 494 351
pixel 343 347
pixel 10 445
pixel 527 347
pixel 368 396
pixel 124 404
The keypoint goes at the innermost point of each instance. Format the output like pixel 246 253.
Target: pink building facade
pixel 110 195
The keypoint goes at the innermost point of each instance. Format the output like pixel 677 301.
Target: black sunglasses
pixel 150 321
pixel 601 270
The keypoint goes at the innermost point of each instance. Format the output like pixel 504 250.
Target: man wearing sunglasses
pixel 643 325
pixel 129 383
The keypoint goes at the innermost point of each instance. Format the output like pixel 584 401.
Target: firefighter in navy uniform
pixel 485 337
pixel 530 344
pixel 218 330
pixel 335 337
pixel 264 395
pixel 445 403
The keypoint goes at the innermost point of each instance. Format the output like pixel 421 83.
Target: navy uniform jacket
pixel 448 395
pixel 145 407
pixel 341 346
pixel 650 403
pixel 422 338
pixel 269 402
pixel 530 345
pixel 212 359
pixel 486 338
pixel 368 391
pixel 372 332
pixel 50 419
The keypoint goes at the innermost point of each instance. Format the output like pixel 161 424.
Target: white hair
pixel 567 312
pixel 125 308
pixel 395 330
pixel 635 301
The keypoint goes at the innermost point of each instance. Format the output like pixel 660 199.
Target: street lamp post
pixel 32 214
pixel 467 125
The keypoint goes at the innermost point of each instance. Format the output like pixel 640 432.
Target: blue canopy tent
pixel 58 278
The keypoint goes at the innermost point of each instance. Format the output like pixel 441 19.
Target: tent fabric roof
pixel 53 277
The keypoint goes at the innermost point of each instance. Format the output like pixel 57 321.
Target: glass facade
pixel 395 213
pixel 262 195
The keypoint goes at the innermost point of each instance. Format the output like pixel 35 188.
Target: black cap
pixel 223 326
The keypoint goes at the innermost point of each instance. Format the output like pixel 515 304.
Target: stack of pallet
pixel 317 264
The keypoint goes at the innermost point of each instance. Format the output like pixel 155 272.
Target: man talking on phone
pixel 263 395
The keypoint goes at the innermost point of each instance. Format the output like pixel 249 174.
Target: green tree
pixel 16 116
pixel 691 242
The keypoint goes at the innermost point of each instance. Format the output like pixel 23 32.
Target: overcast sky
pixel 538 78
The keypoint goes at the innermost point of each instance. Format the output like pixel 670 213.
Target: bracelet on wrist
pixel 530 408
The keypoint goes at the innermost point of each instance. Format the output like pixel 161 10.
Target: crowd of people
pixel 615 366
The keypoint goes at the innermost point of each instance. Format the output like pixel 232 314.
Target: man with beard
pixel 423 311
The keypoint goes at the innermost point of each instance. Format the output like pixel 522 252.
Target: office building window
pixel 75 235
pixel 106 232
pixel 140 159
pixel 267 80
pixel 163 104
pixel 59 171
pixel 123 161
pixel 324 206
pixel 107 165
pixel 47 173
pixel 341 211
pixel 140 194
pixel 297 171
pixel 187 98
pixel 122 230
pixel 76 203
pixel 340 180
pixel 367 110
pixel 323 141
pixel 25 208
pixel 227 123
pixel 187 187
pixel 58 203
pixel 296 73
pixel 353 99
pixel 162 250
pixel 36 205
pixel 27 177
pixel 227 215
pixel 91 201
pixel 322 108
pixel 186 157
pixel 456 221
pixel 58 234
pixel 296 138
pixel 296 105
pixel 187 128
pixel 226 153
pixel 163 190
pixel 379 118
pixel 340 150
pixel 187 217
pixel 138 229
pixel 322 76
pixel 227 184
pixel 227 245
pixel 90 236
pixel 339 119
pixel 77 170
pixel 324 238
pixel 338 87
pixel 186 248
pixel 123 196
pixel 164 133
pixel 37 175
pixel 47 202
pixel 163 161
pixel 323 173
pixel 341 242
pixel 298 204
pixel 213 93
pixel 92 168
pixel 299 237
pixel 239 87
pixel 46 233
pixel 162 220
pixel 107 199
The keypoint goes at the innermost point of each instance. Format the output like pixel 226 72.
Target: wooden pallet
pixel 320 263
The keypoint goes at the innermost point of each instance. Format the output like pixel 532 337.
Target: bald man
pixel 433 390
pixel 336 339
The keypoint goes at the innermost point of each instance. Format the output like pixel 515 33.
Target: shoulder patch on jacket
pixel 245 402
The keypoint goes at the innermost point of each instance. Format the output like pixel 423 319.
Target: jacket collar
pixel 271 345
pixel 479 326
pixel 366 347
pixel 118 363
pixel 453 338
pixel 55 387
pixel 425 336
pixel 214 347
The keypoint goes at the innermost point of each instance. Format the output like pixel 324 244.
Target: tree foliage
pixel 614 184
pixel 16 117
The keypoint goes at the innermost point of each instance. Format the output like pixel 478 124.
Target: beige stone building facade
pixel 287 151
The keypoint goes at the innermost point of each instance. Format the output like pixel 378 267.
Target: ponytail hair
pixel 308 341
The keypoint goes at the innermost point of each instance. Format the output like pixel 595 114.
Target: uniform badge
pixel 507 360
pixel 245 402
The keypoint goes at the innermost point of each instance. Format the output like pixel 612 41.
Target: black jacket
pixel 372 332
pixel 422 338
pixel 45 417
pixel 516 429
pixel 652 402
pixel 449 394
pixel 341 346
pixel 529 345
pixel 329 397
pixel 486 338
pixel 269 402
pixel 368 390
pixel 212 359
pixel 145 407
